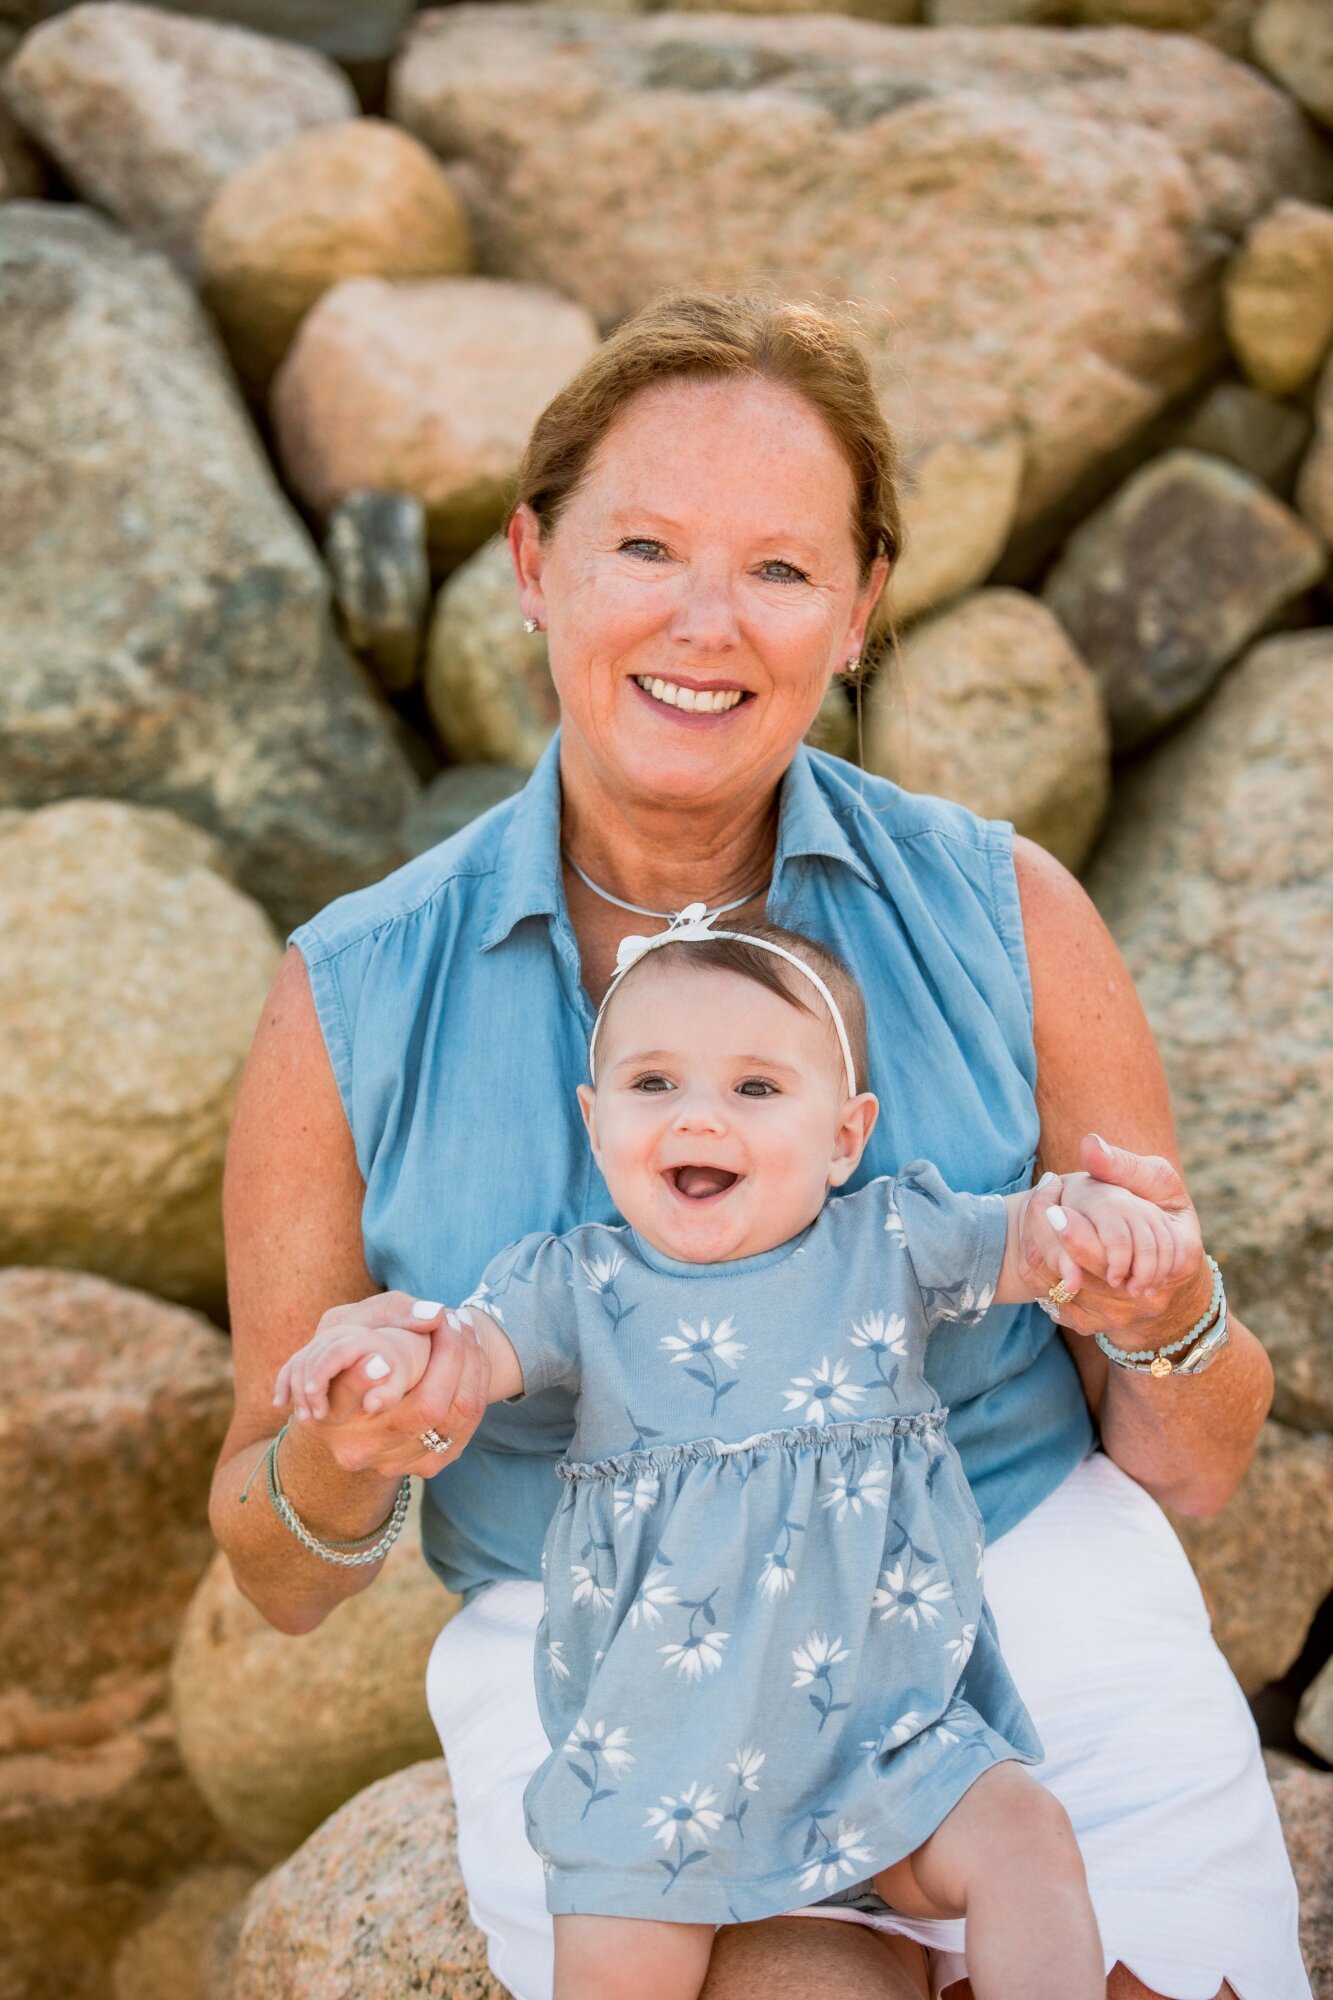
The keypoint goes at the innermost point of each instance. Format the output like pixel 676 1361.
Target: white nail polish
pixel 425 1308
pixel 1047 1178
pixel 377 1368
pixel 1058 1220
pixel 452 1319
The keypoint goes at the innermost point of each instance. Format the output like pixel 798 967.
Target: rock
pixel 90 1837
pixel 451 801
pixel 22 170
pixel 106 1453
pixel 165 1958
pixel 429 387
pixel 486 681
pixel 148 112
pixel 1162 586
pixel 164 620
pixel 956 183
pixel 1224 23
pixel 1314 1719
pixel 997 711
pixel 278 1731
pixel 376 552
pixel 834 727
pixel 1305 1807
pixel 1212 878
pixel 1263 437
pixel 1293 39
pixel 1266 1561
pixel 356 199
pixel 365 33
pixel 1314 486
pixel 132 979
pixel 373 1904
pixel 1279 297
pixel 958 506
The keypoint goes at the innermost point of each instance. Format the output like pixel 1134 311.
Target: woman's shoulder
pixel 412 895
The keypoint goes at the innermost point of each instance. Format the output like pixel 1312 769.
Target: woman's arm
pixel 292 1198
pixel 1187 1439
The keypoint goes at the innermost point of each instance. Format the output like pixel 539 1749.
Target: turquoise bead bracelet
pixel 1157 1360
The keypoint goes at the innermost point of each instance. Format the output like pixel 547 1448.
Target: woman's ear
pixel 588 1106
pixel 529 557
pixel 852 1136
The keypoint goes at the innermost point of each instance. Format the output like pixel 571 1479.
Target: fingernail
pixel 454 1321
pixel 425 1308
pixel 1099 1139
pixel 1047 1178
pixel 377 1368
pixel 1058 1220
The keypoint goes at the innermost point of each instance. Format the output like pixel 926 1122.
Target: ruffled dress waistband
pixel 868 1430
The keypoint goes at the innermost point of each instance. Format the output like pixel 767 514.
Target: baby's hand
pixel 1120 1237
pixel 393 1359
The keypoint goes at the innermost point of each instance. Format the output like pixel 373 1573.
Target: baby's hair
pixel 734 955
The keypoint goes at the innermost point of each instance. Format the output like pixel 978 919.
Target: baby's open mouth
pixel 697 1183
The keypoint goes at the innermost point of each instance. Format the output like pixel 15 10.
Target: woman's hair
pixel 809 349
pixel 765 969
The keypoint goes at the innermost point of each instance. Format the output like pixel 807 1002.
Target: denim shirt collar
pixel 528 880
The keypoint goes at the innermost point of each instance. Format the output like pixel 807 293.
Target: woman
pixel 706 521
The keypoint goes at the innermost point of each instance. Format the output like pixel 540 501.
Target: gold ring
pixel 434 1442
pixel 1060 1294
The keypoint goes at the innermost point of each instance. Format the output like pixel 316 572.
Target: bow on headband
pixel 693 925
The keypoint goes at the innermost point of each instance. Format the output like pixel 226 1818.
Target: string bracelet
pixel 347 1555
pixel 1157 1360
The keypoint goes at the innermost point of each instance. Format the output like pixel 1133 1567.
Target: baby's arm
pixel 1073 1225
pixel 395 1359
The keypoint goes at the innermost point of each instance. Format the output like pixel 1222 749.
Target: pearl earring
pixel 853 665
pixel 530 625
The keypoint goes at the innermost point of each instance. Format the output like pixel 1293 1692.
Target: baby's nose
pixel 700 1111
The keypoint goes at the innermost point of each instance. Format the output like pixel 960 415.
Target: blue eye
pixel 793 575
pixel 643 545
pixel 756 1086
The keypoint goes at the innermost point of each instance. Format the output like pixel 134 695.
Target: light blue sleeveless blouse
pixel 451 1006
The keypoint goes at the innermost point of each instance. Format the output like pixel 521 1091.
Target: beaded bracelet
pixel 1156 1360
pixel 369 1548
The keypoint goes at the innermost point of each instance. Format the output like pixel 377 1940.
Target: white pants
pixel 1150 1747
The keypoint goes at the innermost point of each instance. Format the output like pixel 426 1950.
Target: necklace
pixel 637 909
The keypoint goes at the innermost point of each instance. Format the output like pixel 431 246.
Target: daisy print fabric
pixel 766 1669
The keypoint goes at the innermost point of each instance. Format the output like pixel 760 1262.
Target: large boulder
pixel 1314 486
pixel 1293 39
pixel 486 681
pixel 1213 878
pixel 1305 1807
pixel 997 711
pixel 428 387
pixel 148 112
pixel 131 981
pixel 1265 1563
pixel 376 552
pixel 1262 436
pixel 373 1904
pixel 454 798
pixel 277 1732
pixel 165 632
pixel 1224 23
pixel 1035 221
pixel 1314 1719
pixel 1162 587
pixel 167 1957
pixel 353 200
pixel 1279 297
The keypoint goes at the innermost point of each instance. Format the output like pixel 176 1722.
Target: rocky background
pixel 282 289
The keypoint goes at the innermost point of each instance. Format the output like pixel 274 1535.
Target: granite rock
pixel 1163 586
pixel 376 553
pixel 1314 1719
pixel 373 1904
pixel 1263 437
pixel 1033 222
pixel 996 710
pixel 428 387
pixel 165 633
pixel 1279 297
pixel 166 1956
pixel 453 799
pixel 959 501
pixel 1213 878
pixel 351 200
pixel 1314 484
pixel 487 682
pixel 1224 23
pixel 132 979
pixel 1305 1807
pixel 148 112
pixel 1293 39
pixel 277 1731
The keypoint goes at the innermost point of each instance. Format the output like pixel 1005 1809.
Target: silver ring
pixel 434 1442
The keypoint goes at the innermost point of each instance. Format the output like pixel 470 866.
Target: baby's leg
pixel 626 1958
pixel 1006 1859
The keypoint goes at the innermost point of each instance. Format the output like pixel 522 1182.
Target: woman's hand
pixel 1169 1282
pixel 336 1375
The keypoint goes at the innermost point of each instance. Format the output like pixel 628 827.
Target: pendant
pixel 1159 1365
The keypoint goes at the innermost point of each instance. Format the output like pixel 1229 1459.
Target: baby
pixel 766 1669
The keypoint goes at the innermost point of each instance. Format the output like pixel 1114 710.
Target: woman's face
pixel 707 558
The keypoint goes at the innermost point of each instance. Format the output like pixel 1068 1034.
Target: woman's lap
pixel 1150 1747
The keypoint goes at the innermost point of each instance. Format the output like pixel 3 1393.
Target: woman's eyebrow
pixel 648 517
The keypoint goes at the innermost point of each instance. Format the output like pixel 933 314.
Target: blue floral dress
pixel 765 1668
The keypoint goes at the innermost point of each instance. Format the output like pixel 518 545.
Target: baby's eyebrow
pixel 669 1057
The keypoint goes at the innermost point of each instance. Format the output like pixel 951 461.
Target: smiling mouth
pixel 701 1183
pixel 691 701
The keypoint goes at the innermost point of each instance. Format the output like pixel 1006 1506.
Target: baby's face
pixel 721 1115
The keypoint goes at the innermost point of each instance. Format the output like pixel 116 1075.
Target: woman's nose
pixel 706 620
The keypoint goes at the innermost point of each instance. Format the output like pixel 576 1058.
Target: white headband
pixel 693 925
